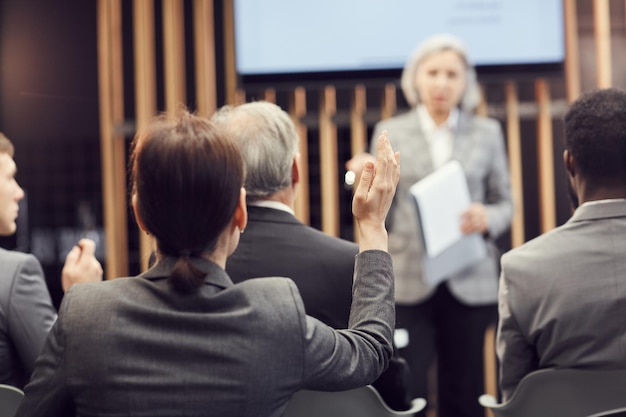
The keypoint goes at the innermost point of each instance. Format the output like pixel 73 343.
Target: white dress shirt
pixel 272 204
pixel 440 138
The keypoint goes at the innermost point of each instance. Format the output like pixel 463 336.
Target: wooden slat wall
pixel 545 156
pixel 572 56
pixel 112 144
pixel 204 41
pixel 297 110
pixel 602 28
pixel 174 54
pixel 112 109
pixel 358 129
pixel 514 145
pixel 328 162
pixel 145 86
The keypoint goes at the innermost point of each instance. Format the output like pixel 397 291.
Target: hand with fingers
pixel 374 195
pixel 81 265
pixel 474 219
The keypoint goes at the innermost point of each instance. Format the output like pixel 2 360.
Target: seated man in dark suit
pixel 562 294
pixel 276 243
pixel 26 310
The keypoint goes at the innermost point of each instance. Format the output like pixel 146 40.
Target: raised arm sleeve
pixel 345 359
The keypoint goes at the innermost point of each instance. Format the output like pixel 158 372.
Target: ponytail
pixel 185 278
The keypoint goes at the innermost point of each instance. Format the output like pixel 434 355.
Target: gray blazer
pixel 479 148
pixel 132 346
pixel 26 315
pixel 563 297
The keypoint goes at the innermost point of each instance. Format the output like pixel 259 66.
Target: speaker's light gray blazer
pixel 26 315
pixel 563 297
pixel 479 148
pixel 132 346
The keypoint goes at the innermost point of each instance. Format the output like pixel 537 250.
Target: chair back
pixel 563 393
pixel 10 399
pixel 615 412
pixel 359 402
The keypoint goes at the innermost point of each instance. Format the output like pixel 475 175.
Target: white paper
pixel 442 197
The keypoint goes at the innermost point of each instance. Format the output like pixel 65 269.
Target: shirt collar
pixel 608 200
pixel 428 124
pixel 272 204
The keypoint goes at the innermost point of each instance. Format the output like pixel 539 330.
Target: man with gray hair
pixel 276 243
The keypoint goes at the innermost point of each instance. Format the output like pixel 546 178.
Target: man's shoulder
pixel 294 229
pixel 12 260
pixel 331 243
pixel 541 249
pixel 14 256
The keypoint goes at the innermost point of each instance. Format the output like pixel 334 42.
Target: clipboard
pixel 441 198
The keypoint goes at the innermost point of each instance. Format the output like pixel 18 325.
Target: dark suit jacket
pixel 26 315
pixel 275 243
pixel 132 346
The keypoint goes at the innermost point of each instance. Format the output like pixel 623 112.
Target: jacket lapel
pixel 417 150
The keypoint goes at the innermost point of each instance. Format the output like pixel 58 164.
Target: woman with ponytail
pixel 181 339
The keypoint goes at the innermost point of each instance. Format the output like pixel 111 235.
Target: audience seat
pixel 10 398
pixel 563 393
pixel 359 402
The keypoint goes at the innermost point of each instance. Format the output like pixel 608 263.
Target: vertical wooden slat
pixel 204 42
pixel 112 144
pixel 572 58
pixel 515 161
pixel 174 54
pixel 489 371
pixel 240 97
pixel 230 71
pixel 481 110
pixel 358 129
pixel 545 156
pixel 388 105
pixel 490 361
pixel 602 33
pixel 145 86
pixel 269 95
pixel 328 162
pixel 297 109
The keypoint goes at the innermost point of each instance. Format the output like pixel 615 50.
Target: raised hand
pixel 81 265
pixel 374 195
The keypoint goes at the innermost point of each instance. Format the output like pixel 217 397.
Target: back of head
pixel 186 181
pixel 595 134
pixel 5 145
pixel 268 141
pixel 432 45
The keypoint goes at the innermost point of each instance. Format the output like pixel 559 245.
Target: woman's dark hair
pixel 186 177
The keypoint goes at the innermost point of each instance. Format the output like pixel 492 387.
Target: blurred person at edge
pixel 26 309
pixel 446 323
